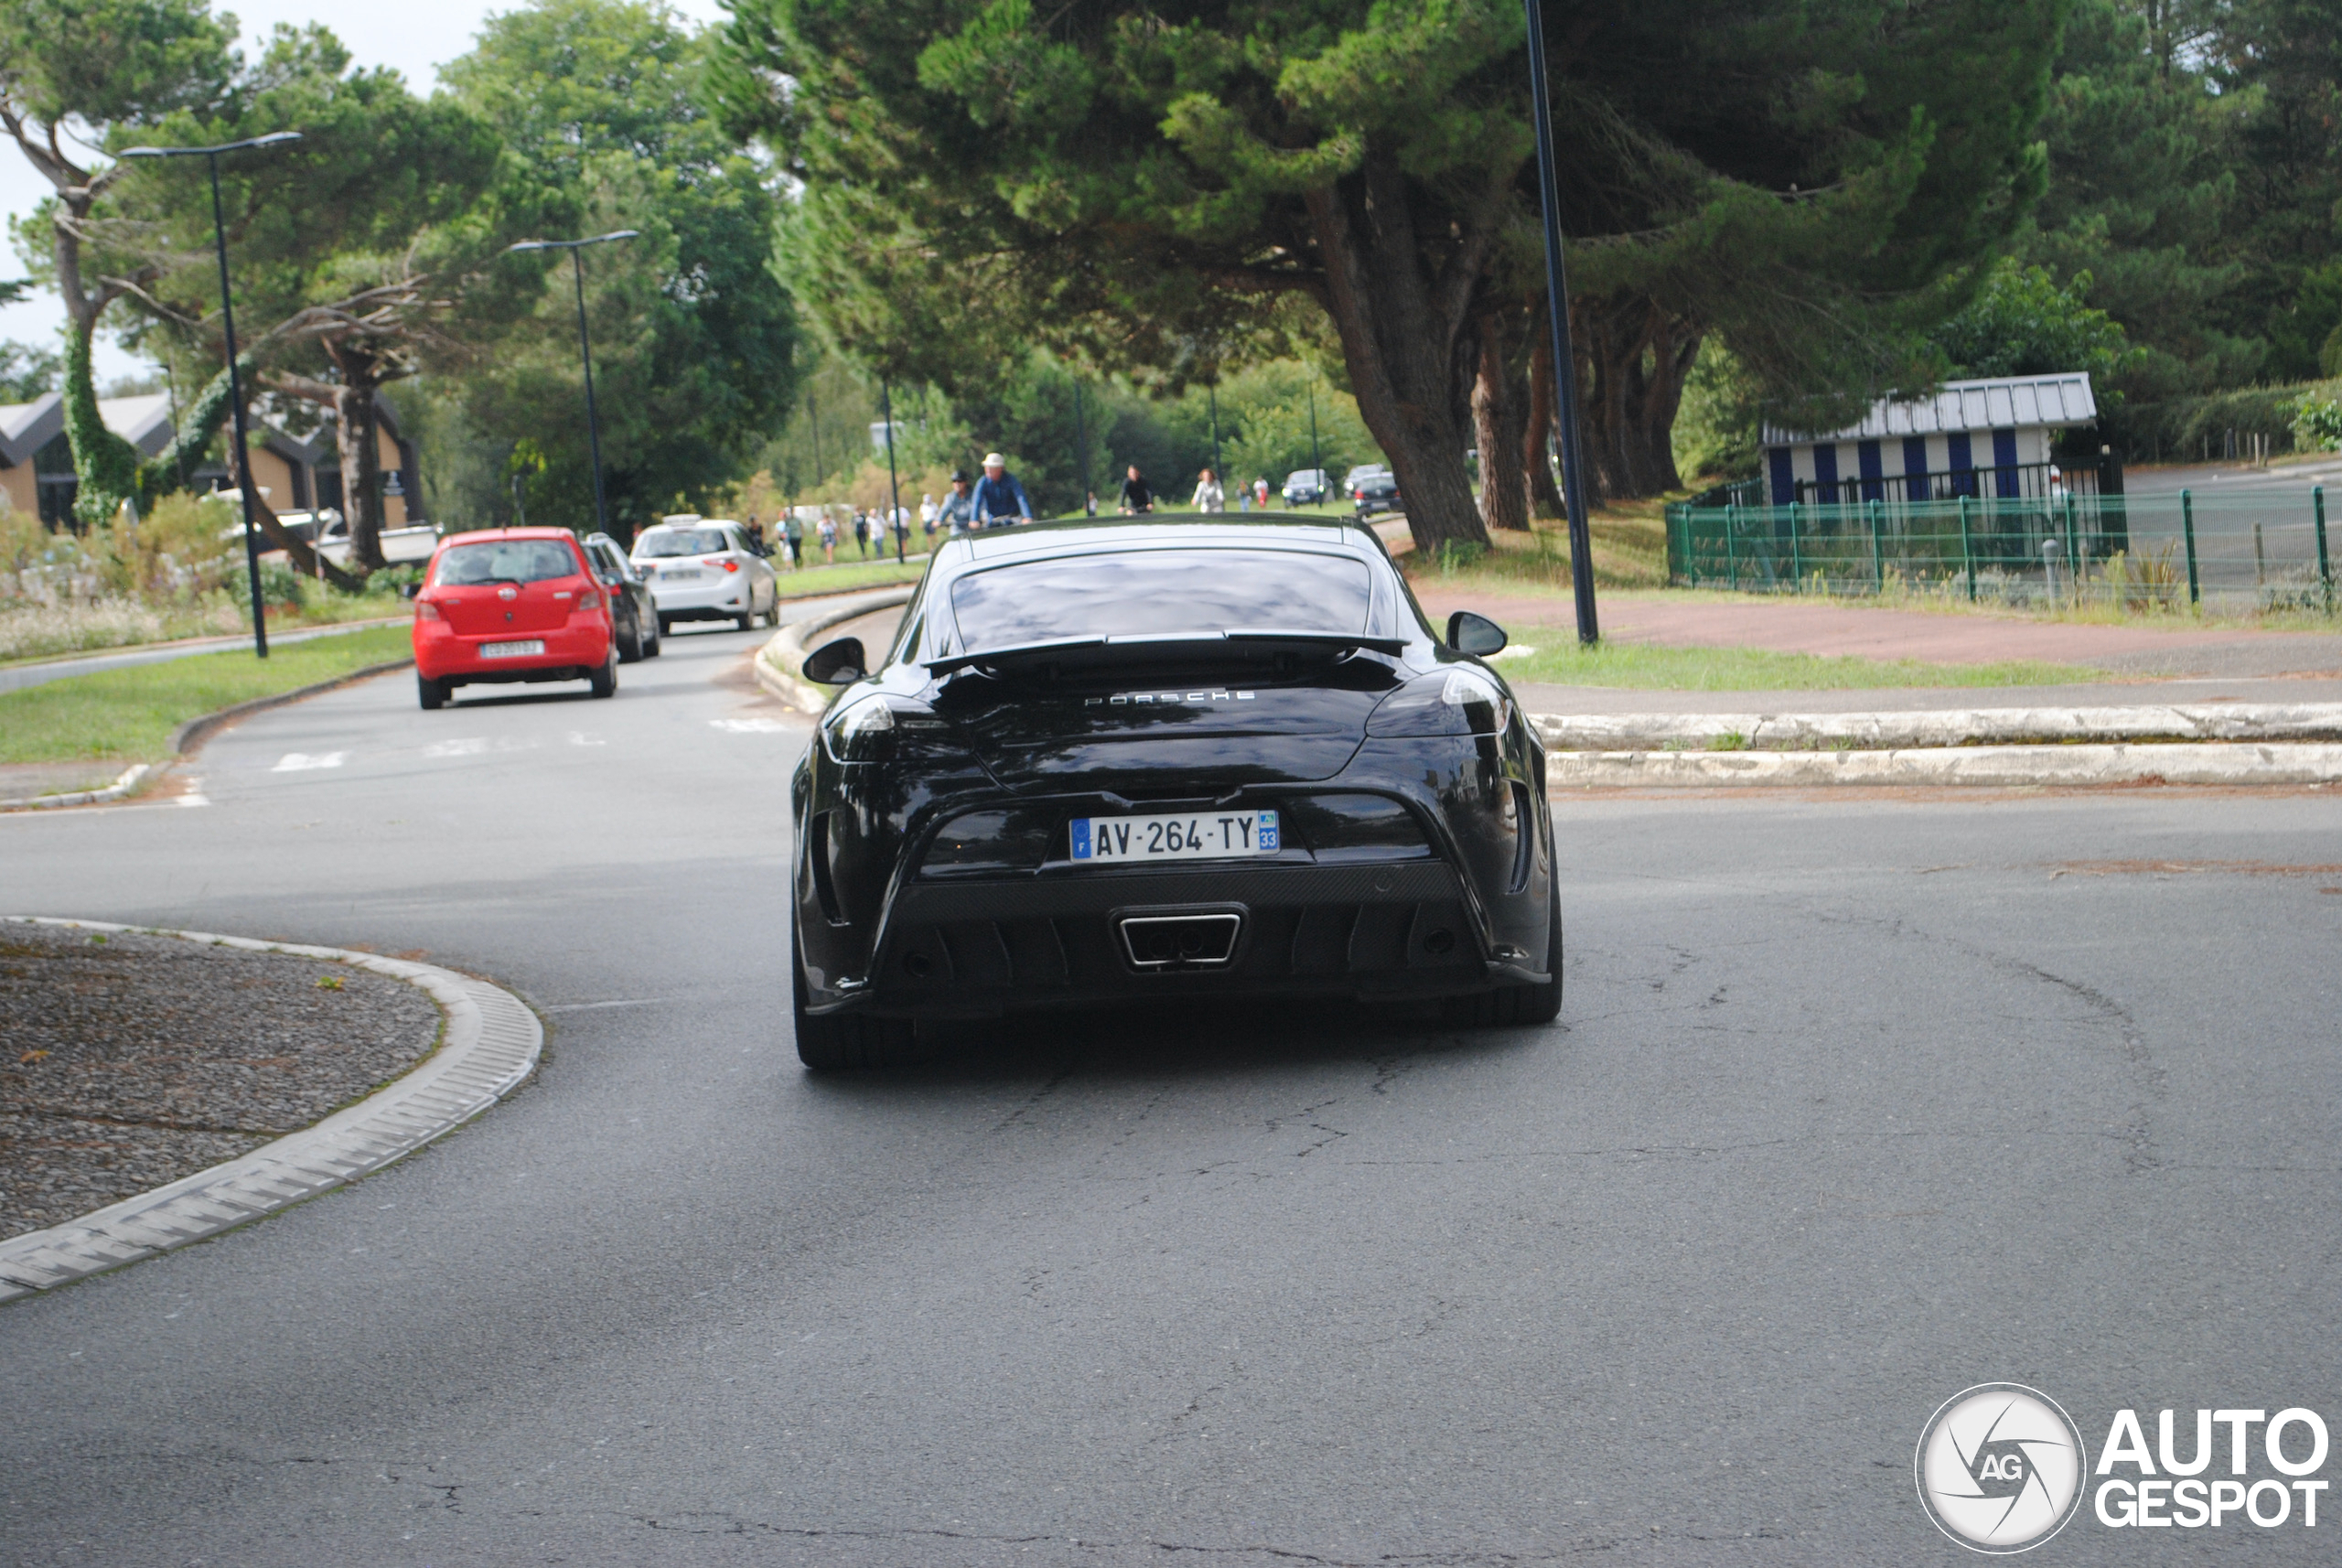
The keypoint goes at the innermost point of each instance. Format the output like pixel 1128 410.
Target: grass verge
pixel 1560 660
pixel 845 576
pixel 127 715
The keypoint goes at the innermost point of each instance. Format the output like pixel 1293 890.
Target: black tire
pixel 432 693
pixel 651 649
pixel 630 641
pixel 836 1042
pixel 605 681
pixel 746 620
pixel 666 625
pixel 1510 1004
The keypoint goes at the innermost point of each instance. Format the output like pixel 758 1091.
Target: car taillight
pixel 724 561
pixel 589 601
pixel 426 610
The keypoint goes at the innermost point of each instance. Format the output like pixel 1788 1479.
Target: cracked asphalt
pixel 1855 1103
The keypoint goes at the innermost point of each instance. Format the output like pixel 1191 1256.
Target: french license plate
pixel 1203 835
pixel 681 575
pixel 511 649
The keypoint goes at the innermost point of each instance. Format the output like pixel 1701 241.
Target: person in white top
pixel 928 512
pixel 1210 497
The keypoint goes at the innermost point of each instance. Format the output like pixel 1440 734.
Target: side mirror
pixel 1468 633
pixel 408 590
pixel 836 663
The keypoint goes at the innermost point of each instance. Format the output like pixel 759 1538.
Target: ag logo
pixel 2000 1467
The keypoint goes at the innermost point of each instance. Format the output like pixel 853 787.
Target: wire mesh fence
pixel 2263 549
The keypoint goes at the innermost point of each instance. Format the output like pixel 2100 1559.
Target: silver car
pixel 705 569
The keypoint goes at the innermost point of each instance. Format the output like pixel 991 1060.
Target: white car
pixel 705 569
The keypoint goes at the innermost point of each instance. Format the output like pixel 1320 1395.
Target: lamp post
pixel 894 489
pixel 1317 457
pixel 1557 305
pixel 227 328
pixel 576 249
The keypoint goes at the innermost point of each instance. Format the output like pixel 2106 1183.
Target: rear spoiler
pixel 1111 650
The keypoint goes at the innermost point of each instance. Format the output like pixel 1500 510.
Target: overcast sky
pixel 414 36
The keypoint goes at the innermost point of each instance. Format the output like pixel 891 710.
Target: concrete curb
pixel 488 1045
pixel 132 776
pixel 190 736
pixel 2002 766
pixel 776 663
pixel 1973 726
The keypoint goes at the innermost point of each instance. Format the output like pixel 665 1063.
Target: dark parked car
pixel 630 602
pixel 1306 487
pixel 1120 761
pixel 1375 490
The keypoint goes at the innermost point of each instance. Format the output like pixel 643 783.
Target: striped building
pixel 1985 437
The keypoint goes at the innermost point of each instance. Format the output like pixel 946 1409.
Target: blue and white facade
pixel 1977 438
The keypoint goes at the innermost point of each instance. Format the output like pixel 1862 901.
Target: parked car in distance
pixel 1351 480
pixel 513 604
pixel 328 533
pixel 1305 486
pixel 631 606
pixel 1377 490
pixel 705 569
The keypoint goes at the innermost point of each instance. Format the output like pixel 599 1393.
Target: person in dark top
pixel 1137 497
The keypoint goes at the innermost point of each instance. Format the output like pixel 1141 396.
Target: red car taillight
pixel 589 602
pixel 426 610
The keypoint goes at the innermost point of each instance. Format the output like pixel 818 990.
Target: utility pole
pixel 576 249
pixel 1212 393
pixel 1317 458
pixel 894 493
pixel 211 156
pixel 1082 444
pixel 1557 305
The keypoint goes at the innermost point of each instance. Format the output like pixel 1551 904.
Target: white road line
pixel 751 726
pixel 580 737
pixel 590 1006
pixel 469 748
pixel 302 762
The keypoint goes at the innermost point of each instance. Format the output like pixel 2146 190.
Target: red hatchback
pixel 518 604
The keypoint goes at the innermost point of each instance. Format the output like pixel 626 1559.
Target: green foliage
pixel 2317 421
pixel 110 62
pixel 1717 434
pixel 28 370
pixel 2023 323
pixel 598 104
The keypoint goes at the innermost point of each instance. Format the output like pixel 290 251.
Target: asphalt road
pixel 1855 1103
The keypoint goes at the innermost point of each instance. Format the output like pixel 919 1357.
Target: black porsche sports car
pixel 1116 761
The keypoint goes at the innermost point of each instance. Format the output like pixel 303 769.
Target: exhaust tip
pixel 1180 941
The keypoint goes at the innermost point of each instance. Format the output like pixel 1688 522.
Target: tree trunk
pixel 1545 495
pixel 1638 354
pixel 1499 416
pixel 1400 334
pixel 361 456
pixel 305 560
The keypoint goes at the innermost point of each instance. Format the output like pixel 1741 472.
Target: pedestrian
pixel 998 500
pixel 928 512
pixel 829 532
pixel 1090 507
pixel 793 534
pixel 861 532
pixel 1260 493
pixel 1210 497
pixel 1135 496
pixel 959 509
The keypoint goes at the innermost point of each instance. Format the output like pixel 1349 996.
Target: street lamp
pixel 585 349
pixel 1557 305
pixel 228 326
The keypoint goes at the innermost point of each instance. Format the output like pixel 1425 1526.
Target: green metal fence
pixel 2264 548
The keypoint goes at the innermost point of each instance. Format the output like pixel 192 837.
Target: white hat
pixel 995 461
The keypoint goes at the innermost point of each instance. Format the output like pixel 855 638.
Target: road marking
pixel 751 726
pixel 302 762
pixel 579 737
pixel 472 748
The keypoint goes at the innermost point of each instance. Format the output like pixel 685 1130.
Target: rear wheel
pixel 1521 1004
pixel 432 693
pixel 666 625
pixel 832 1041
pixel 630 641
pixel 605 681
pixel 746 620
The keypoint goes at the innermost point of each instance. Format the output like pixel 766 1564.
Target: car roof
pixel 1272 529
pixel 479 535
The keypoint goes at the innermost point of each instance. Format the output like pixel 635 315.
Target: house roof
pixel 144 421
pixel 1997 403
pixel 26 427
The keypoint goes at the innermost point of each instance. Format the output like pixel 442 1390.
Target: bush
pixel 281 587
pixel 2317 422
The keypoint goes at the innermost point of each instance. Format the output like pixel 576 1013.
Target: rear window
pixel 683 542
pixel 1152 592
pixel 506 560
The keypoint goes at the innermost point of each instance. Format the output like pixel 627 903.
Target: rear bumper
pixel 571 652
pixel 728 596
pixel 983 946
